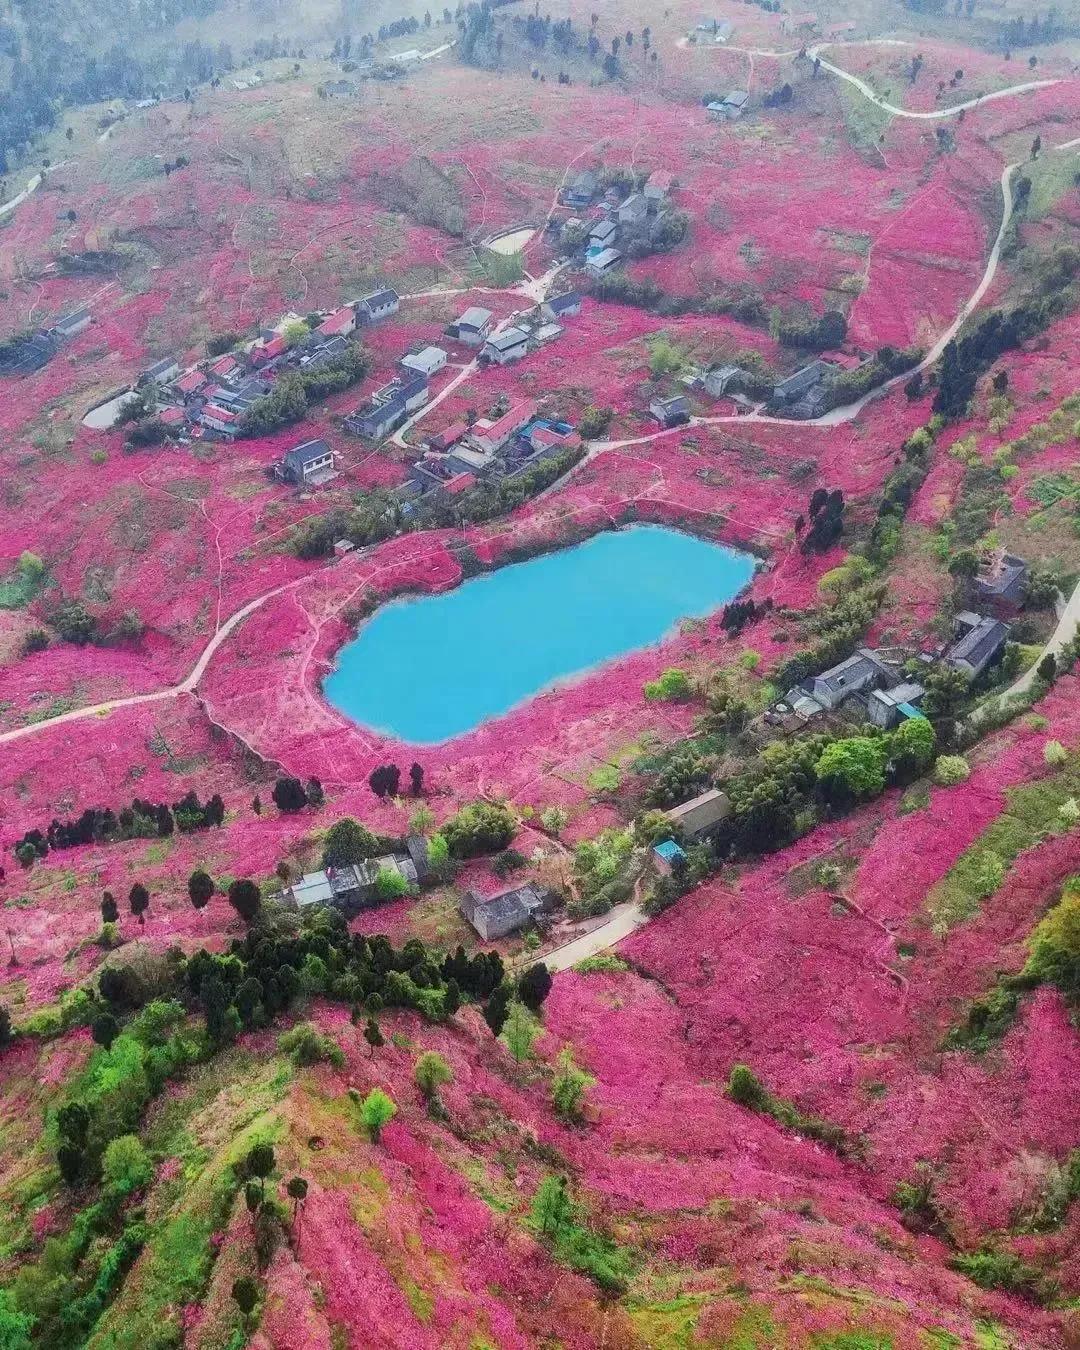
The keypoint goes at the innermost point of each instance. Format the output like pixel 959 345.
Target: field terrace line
pixel 837 416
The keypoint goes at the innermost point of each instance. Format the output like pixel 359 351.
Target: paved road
pixel 1067 627
pixel 623 921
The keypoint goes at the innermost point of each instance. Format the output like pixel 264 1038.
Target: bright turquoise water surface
pixel 427 669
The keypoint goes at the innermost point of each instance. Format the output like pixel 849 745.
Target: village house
pixel 561 307
pixel 225 369
pixel 268 349
pixel 473 326
pixel 860 673
pixel 796 386
pixel 980 645
pixel 468 458
pixel 354 886
pixel 730 108
pixel 671 412
pixel 702 816
pixel 492 436
pixel 1001 582
pixel 668 857
pixel 161 372
pixel 338 324
pixel 173 418
pixel 658 187
pixel 325 354
pixel 308 465
pixel 791 23
pixel 72 324
pixel 602 263
pixel 603 234
pixel 580 191
pixel 717 380
pixel 378 305
pixel 189 384
pixel 448 437
pixel 339 89
pixel 427 362
pixel 887 708
pixel 633 210
pixel 389 407
pixel 547 438
pixel 21 355
pixel 224 421
pixel 547 332
pixel 506 913
pixel 502 348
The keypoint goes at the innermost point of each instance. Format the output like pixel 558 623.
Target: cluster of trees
pixel 1032 32
pixel 814 335
pixel 740 301
pixel 783 792
pixel 835 631
pixel 887 362
pixel 424 192
pixel 740 613
pixel 375 516
pixel 290 795
pixel 291 395
pixel 141 820
pixel 826 520
pixel 964 359
pixel 385 781
pixel 779 97
pixel 478 829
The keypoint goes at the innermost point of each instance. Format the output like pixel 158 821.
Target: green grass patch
pixel 602 962
pixel 1031 814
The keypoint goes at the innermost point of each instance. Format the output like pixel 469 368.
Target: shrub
pixel 390 884
pixel 482 827
pixel 126 1165
pixel 951 770
pixel 554 819
pixel 377 1110
pixel 1055 754
pixel 347 841
pixel 569 1086
pixel 306 1045
pixel 431 1072
pixel 673 686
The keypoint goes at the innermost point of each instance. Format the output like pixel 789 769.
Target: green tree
pixel 105 1029
pixel 520 1031
pixel 673 686
pixel 1047 668
pixel 554 819
pixel 551 1208
pixel 109 909
pixel 297 1189
pixel 431 1072
pixel 200 888
pixel 482 827
pixel 15 1326
pixel 377 1110
pixel 374 1037
pixel 911 749
pixel 139 901
pixel 390 884
pixel 347 841
pixel 259 1164
pixel 126 1165
pixel 852 769
pixel 245 1294
pixel 534 986
pixel 246 898
pixel 569 1085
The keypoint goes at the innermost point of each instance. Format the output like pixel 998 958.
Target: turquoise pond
pixel 427 669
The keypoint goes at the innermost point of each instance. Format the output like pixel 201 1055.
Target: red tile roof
pixel 459 483
pixel 341 321
pixel 187 384
pixel 263 351
pixel 218 414
pixel 508 423
pixel 661 179
pixel 172 416
pixel 450 435
pixel 548 436
pixel 224 365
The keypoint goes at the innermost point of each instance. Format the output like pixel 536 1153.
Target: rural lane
pixel 624 920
